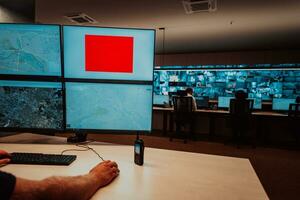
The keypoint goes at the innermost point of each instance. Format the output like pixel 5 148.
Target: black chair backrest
pixel 294 110
pixel 241 107
pixel 183 104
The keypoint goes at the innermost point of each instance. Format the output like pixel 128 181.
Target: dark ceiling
pixel 26 8
pixel 236 24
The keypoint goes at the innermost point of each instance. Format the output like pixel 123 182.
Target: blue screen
pixel 109 106
pixel 75 59
pixel 25 104
pixel 160 99
pixel 282 104
pixel 257 103
pixel 30 49
pixel 224 102
pixel 263 84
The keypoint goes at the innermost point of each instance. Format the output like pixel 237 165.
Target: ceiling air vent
pixel 80 18
pixel 193 6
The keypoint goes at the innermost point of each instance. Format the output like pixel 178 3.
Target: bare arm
pixel 4 157
pixel 76 187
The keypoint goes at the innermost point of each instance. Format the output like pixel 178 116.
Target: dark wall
pixel 241 57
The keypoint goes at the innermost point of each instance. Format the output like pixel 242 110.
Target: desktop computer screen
pixel 202 102
pixel 224 102
pixel 30 49
pixel 282 104
pixel 257 103
pixel 106 106
pixel 32 105
pixel 160 99
pixel 108 53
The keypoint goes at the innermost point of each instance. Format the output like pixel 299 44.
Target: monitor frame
pixel 149 83
pixel 282 110
pixel 61 79
pixel 37 78
pixel 113 81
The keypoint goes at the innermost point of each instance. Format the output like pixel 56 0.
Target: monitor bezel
pixel 113 81
pixel 35 78
pixel 61 79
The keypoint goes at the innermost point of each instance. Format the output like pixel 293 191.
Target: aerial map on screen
pixel 36 106
pixel 109 106
pixel 30 49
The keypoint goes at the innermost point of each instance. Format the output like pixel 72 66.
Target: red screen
pixel 108 53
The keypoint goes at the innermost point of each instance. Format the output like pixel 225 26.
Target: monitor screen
pixel 282 104
pixel 160 99
pixel 108 53
pixel 33 105
pixel 224 102
pixel 257 103
pixel 30 49
pixel 105 106
pixel 264 84
pixel 202 102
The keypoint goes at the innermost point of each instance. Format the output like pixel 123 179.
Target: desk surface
pixel 165 174
pixel 258 113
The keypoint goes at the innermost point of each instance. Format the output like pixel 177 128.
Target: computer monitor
pixel 160 100
pixel 181 93
pixel 257 103
pixel 224 102
pixel 202 102
pixel 106 106
pixel 281 104
pixel 30 49
pixel 31 105
pixel 108 53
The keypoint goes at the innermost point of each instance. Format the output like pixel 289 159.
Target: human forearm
pixel 77 187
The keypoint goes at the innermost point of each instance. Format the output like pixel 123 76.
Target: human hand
pixel 105 172
pixel 4 157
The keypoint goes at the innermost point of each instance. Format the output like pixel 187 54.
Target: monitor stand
pixel 80 136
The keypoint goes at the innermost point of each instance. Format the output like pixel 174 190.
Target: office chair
pixel 294 119
pixel 240 115
pixel 183 115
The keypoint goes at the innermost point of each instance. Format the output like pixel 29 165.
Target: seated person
pixel 189 92
pixel 68 187
pixel 294 119
pixel 298 99
pixel 294 108
pixel 240 110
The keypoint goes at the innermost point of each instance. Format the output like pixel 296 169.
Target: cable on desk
pixel 85 148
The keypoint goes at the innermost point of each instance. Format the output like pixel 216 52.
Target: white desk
pixel 165 175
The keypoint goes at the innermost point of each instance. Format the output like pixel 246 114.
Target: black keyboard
pixel 41 159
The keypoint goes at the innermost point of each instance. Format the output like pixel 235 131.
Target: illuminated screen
pixel 31 105
pixel 108 53
pixel 160 99
pixel 282 104
pixel 224 102
pixel 109 106
pixel 30 49
pixel 262 84
pixel 257 103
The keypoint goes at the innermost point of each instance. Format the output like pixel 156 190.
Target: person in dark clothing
pixel 240 110
pixel 7 185
pixel 298 99
pixel 71 187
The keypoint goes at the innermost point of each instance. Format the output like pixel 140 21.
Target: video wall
pixel 259 83
pixel 104 83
